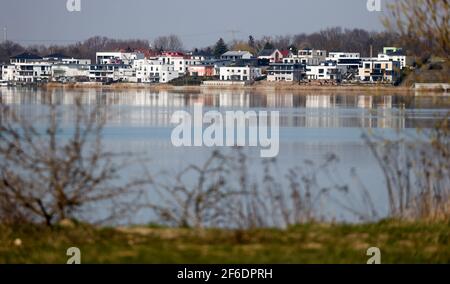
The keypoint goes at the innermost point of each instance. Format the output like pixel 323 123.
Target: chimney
pixel 371 51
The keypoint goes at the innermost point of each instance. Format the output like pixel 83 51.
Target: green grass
pixel 399 242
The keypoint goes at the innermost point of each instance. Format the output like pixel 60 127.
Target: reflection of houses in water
pixel 144 107
pixel 320 101
pixel 380 112
pixel 233 99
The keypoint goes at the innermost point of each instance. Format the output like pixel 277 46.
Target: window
pixel 321 71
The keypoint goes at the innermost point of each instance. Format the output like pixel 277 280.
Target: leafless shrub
pixel 221 193
pixel 47 178
pixel 416 172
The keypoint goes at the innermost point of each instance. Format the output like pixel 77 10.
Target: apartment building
pixel 30 68
pixel 285 72
pixel 179 61
pixel 154 71
pixel 239 73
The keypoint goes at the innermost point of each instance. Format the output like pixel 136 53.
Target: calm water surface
pixel 311 125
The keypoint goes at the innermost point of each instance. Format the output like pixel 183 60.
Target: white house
pixel 117 57
pixel 179 61
pixel 325 71
pixel 285 72
pixel 30 68
pixel 239 73
pixel 236 55
pixel 154 71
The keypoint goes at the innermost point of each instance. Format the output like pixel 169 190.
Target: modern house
pixel 285 72
pixel 179 61
pixel 154 71
pixel 117 57
pixel 105 73
pixel 348 62
pixel 375 70
pixel 236 55
pixel 397 55
pixel 271 55
pixel 325 71
pixel 30 68
pixel 239 73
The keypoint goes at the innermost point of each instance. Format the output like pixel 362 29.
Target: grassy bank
pixel 313 243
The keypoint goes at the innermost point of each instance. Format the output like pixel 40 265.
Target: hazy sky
pixel 197 22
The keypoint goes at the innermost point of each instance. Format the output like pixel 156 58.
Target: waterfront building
pixel 375 70
pixel 30 68
pixel 324 71
pixel 285 72
pixel 239 73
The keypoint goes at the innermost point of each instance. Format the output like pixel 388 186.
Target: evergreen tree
pixel 220 48
pixel 268 45
pixel 251 42
pixel 293 49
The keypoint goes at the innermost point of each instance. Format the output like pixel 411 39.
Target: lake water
pixel 311 124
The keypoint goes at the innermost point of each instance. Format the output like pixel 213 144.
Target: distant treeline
pixel 331 39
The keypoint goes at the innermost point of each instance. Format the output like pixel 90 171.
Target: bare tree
pixel 46 178
pixel 423 24
pixel 168 43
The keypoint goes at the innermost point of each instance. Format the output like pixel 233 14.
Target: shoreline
pixel 254 87
pixel 349 89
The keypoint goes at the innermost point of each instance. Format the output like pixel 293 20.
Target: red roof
pixel 285 53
